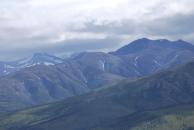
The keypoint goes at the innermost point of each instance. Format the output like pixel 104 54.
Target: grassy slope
pixel 173 118
pixel 114 108
pixel 180 118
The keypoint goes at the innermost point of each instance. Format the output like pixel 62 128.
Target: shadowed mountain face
pixel 148 56
pixel 114 108
pixel 144 43
pixel 139 58
pixel 45 82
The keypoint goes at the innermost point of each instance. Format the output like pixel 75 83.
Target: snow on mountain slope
pixel 36 59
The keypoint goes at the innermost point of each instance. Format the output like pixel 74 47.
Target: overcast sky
pixel 65 26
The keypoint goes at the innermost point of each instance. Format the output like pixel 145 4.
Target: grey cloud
pixel 113 27
pixel 67 46
pixel 23 31
pixel 175 25
pixel 77 45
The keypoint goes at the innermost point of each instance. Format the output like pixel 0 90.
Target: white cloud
pixel 32 23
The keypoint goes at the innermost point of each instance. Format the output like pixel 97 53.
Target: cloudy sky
pixel 65 26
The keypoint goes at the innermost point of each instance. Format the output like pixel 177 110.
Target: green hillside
pixel 171 119
pixel 122 106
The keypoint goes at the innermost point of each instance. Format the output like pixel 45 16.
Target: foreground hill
pixel 117 107
pixel 176 118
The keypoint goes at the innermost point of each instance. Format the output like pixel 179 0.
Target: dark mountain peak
pixel 143 39
pixel 180 41
pixel 183 45
pixel 133 47
pixel 145 43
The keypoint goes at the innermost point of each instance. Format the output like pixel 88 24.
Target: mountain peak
pixel 180 41
pixel 145 43
pixel 143 39
pixel 134 46
pixel 39 58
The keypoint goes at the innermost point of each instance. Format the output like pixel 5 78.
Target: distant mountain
pixel 149 56
pixel 98 67
pixel 39 84
pixel 122 106
pixel 41 79
pixel 36 59
pixel 139 58
pixel 39 58
pixel 145 43
pixel 43 84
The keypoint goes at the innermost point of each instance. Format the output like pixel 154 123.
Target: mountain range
pixel 45 78
pixel 146 103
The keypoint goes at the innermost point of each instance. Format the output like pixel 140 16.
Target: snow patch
pixel 157 63
pixel 102 65
pixel 136 61
pixel 48 63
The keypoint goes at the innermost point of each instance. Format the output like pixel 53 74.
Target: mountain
pixel 139 58
pixel 149 56
pixel 36 59
pixel 39 84
pixel 39 58
pixel 122 106
pixel 43 84
pixel 37 80
pixel 145 43
pixel 99 66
